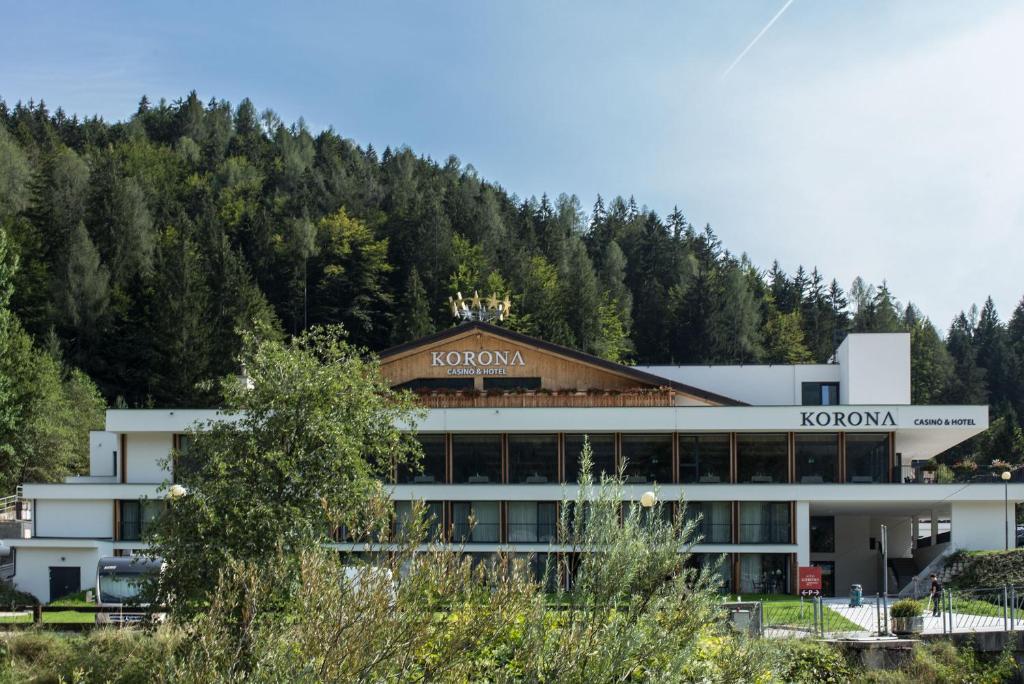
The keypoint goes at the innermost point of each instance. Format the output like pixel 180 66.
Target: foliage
pixel 9 595
pixel 119 656
pixel 988 568
pixel 305 433
pixel 906 608
pixel 149 246
pixel 937 662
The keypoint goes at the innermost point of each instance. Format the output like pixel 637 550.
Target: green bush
pixel 988 568
pixel 9 595
pixel 123 656
pixel 937 662
pixel 801 660
pixel 905 608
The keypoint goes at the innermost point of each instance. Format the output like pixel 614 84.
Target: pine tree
pixel 86 291
pixel 412 320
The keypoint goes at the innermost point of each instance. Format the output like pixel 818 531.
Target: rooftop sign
pixel 483 362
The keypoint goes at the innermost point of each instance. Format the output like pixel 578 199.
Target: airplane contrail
pixel 757 38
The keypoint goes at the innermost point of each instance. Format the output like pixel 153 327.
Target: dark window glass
pixel 817 458
pixel 533 459
pixel 762 458
pixel 511 384
pixel 715 525
pixel 648 458
pixel 819 393
pixel 432 511
pixel 823 534
pixel 531 521
pixel 704 458
pixel 428 384
pixel 867 457
pixel 184 466
pixel 136 518
pixel 602 448
pixel 476 459
pixel 764 522
pixel 722 562
pixel 764 573
pixel 475 521
pixel 432 466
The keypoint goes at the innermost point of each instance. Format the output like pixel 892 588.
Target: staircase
pixel 904 570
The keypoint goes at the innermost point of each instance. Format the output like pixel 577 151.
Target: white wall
pixel 32 572
pixel 74 519
pixel 104 453
pixel 979 526
pixel 145 453
pixel 756 385
pixel 874 368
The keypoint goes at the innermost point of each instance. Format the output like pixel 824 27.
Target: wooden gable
pixel 478 352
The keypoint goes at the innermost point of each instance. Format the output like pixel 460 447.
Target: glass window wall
pixel 817 458
pixel 532 521
pixel 762 458
pixel 867 457
pixel 704 458
pixel 431 468
pixel 602 454
pixel 476 459
pixel 533 459
pixel 764 573
pixel 475 521
pixel 432 511
pixel 764 522
pixel 648 458
pixel 715 524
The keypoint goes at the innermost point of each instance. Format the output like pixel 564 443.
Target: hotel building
pixel 788 465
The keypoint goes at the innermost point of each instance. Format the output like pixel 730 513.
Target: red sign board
pixel 809 580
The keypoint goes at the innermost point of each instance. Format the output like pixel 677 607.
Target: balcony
pixel 765 533
pixel 479 533
pixel 532 533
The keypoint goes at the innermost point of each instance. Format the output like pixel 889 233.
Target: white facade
pixel 77 522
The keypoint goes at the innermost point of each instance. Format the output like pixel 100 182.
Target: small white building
pixel 789 465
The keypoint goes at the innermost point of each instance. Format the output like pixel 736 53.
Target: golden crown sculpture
pixel 477 309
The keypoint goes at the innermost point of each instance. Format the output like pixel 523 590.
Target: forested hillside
pixel 145 246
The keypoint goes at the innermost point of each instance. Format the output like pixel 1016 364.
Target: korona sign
pixel 483 362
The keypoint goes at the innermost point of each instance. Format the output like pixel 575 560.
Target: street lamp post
pixel 1006 508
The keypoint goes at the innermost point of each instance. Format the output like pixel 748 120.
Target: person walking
pixel 936 595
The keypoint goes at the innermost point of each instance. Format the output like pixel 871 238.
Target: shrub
pixel 9 595
pixel 988 568
pixel 801 660
pixel 905 608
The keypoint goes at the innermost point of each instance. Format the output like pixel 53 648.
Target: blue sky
pixel 869 138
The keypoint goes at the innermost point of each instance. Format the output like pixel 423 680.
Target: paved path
pixel 867 618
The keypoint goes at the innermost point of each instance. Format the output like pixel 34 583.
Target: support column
pixel 935 527
pixel 803 533
pixel 915 531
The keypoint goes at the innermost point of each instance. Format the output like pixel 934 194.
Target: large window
pixel 511 384
pixel 762 458
pixel 532 521
pixel 823 534
pixel 820 393
pixel 476 459
pixel 602 455
pixel 136 517
pixel 715 525
pixel 721 562
pixel 431 468
pixel 817 458
pixel 648 458
pixel 432 512
pixel 764 573
pixel 533 459
pixel 184 464
pixel 704 458
pixel 867 457
pixel 763 522
pixel 475 521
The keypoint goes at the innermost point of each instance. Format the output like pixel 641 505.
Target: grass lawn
pixel 782 610
pixel 57 617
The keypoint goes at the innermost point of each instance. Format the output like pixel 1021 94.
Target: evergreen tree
pixel 412 319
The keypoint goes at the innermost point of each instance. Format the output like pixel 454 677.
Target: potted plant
pixel 906 617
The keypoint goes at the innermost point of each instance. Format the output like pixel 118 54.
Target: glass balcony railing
pixel 764 533
pixel 463 532
pixel 537 533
